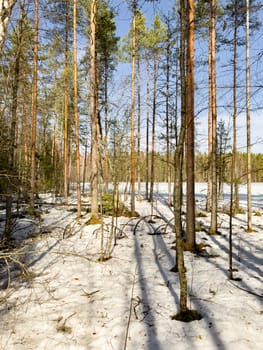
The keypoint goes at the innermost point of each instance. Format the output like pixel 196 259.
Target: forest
pixel 129 126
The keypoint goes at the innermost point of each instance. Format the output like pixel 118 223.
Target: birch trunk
pixel 6 7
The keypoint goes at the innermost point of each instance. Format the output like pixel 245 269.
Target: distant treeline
pixel 201 167
pixel 224 167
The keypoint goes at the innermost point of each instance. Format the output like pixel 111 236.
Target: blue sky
pixel 224 78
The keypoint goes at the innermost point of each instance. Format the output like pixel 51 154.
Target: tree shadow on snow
pixel 149 319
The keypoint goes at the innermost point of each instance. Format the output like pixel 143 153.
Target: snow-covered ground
pixel 67 299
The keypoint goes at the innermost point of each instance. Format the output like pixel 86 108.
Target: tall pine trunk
pixel 209 131
pixel 76 118
pixel 190 133
pixel 133 109
pixel 106 138
pixel 94 181
pixel 213 226
pixel 155 67
pixel 34 109
pixel 249 206
pixel 11 161
pixel 65 100
pixel 178 169
pixel 235 165
pixel 167 117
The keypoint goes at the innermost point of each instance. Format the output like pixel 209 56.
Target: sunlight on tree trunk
pixel 209 132
pixel 167 114
pixel 152 178
pixel 235 165
pixel 66 68
pixel 133 109
pixel 75 88
pixel 34 109
pixel 190 133
pixel 94 181
pixel 249 207
pixel 178 168
pixel 213 227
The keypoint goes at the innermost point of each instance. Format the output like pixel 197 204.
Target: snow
pixel 68 299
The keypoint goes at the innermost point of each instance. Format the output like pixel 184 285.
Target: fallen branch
pixel 246 290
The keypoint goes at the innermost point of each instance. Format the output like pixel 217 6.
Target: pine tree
pixel 34 108
pixel 190 132
pixel 213 225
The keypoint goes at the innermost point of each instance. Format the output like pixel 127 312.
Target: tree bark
pixel 178 166
pixel 94 181
pixel 235 165
pixel 249 205
pixel 65 98
pixel 147 129
pixel 209 132
pixel 213 226
pixel 34 109
pixel 133 109
pixel 11 165
pixel 167 115
pixel 6 7
pixel 190 132
pixel 76 118
pixel 155 67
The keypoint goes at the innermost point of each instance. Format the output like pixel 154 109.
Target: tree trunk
pixel 66 68
pixel 133 109
pixel 147 129
pixel 34 109
pixel 167 115
pixel 139 130
pixel 235 165
pixel 11 161
pixel 155 67
pixel 76 118
pixel 106 154
pixel 94 181
pixel 190 132
pixel 209 132
pixel 249 206
pixel 85 166
pixel 25 145
pixel 178 168
pixel 6 7
pixel 213 227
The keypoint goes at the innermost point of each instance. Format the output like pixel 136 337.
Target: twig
pixel 246 290
pixel 69 254
pixel 86 294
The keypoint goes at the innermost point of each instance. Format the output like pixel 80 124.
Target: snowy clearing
pixel 66 299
